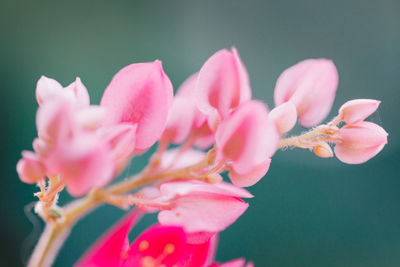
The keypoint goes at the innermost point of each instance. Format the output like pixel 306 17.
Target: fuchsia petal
pixel 166 246
pixel 30 168
pixel 80 92
pixel 360 142
pixel 357 110
pixel 311 85
pixel 248 137
pixel 222 83
pixel 252 177
pixel 140 94
pixel 84 163
pixel 193 187
pixel 180 120
pixel 203 213
pixel 112 248
pixel 45 88
pixel 284 116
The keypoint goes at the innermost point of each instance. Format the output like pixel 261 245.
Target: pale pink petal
pixel 91 118
pixel 222 83
pixel 166 246
pixel 83 163
pixel 357 110
pixel 211 213
pixel 252 177
pixel 183 188
pixel 140 94
pixel 188 158
pixel 121 138
pixel 180 120
pixel 112 247
pixel 80 93
pixel 54 120
pixel 30 168
pixel 323 150
pixel 41 147
pixel 284 116
pixel 311 85
pixel 248 137
pixel 360 142
pixel 46 88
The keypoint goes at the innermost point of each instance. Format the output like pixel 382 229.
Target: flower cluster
pixel 217 127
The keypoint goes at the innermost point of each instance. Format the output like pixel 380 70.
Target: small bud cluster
pixel 218 128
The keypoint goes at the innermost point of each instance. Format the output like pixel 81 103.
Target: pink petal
pixel 54 120
pixel 180 120
pixel 195 187
pixel 46 88
pixel 203 213
pixel 166 246
pixel 357 110
pixel 360 142
pixel 222 83
pixel 188 158
pixel 284 116
pixel 311 85
pixel 80 93
pixel 252 177
pixel 112 247
pixel 30 168
pixel 84 163
pixel 91 118
pixel 140 94
pixel 248 137
pixel 121 138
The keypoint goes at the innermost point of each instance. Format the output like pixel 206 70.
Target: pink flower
pixel 222 84
pixel 357 110
pixel 185 119
pixel 157 246
pixel 311 86
pixel 246 140
pixel 30 168
pixel 198 207
pixel 359 142
pixel 284 116
pixel 140 94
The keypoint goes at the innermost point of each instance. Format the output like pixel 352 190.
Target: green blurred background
pixel 307 211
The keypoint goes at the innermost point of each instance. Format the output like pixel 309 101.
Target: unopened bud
pixel 323 150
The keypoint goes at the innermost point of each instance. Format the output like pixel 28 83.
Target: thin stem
pixel 303 141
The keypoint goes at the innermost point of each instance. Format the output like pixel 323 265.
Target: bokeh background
pixel 307 211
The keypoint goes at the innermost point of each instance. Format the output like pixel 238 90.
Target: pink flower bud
pixel 311 85
pixel 284 116
pixel 45 88
pixel 247 139
pixel 323 150
pixel 222 83
pixel 360 142
pixel 30 168
pixel 80 93
pixel 357 110
pixel 140 94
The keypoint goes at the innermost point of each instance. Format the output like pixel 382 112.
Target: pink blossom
pixel 140 94
pixel 30 168
pixel 359 142
pixel 284 116
pixel 246 140
pixel 311 85
pixel 199 207
pixel 157 246
pixel 357 110
pixel 222 84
